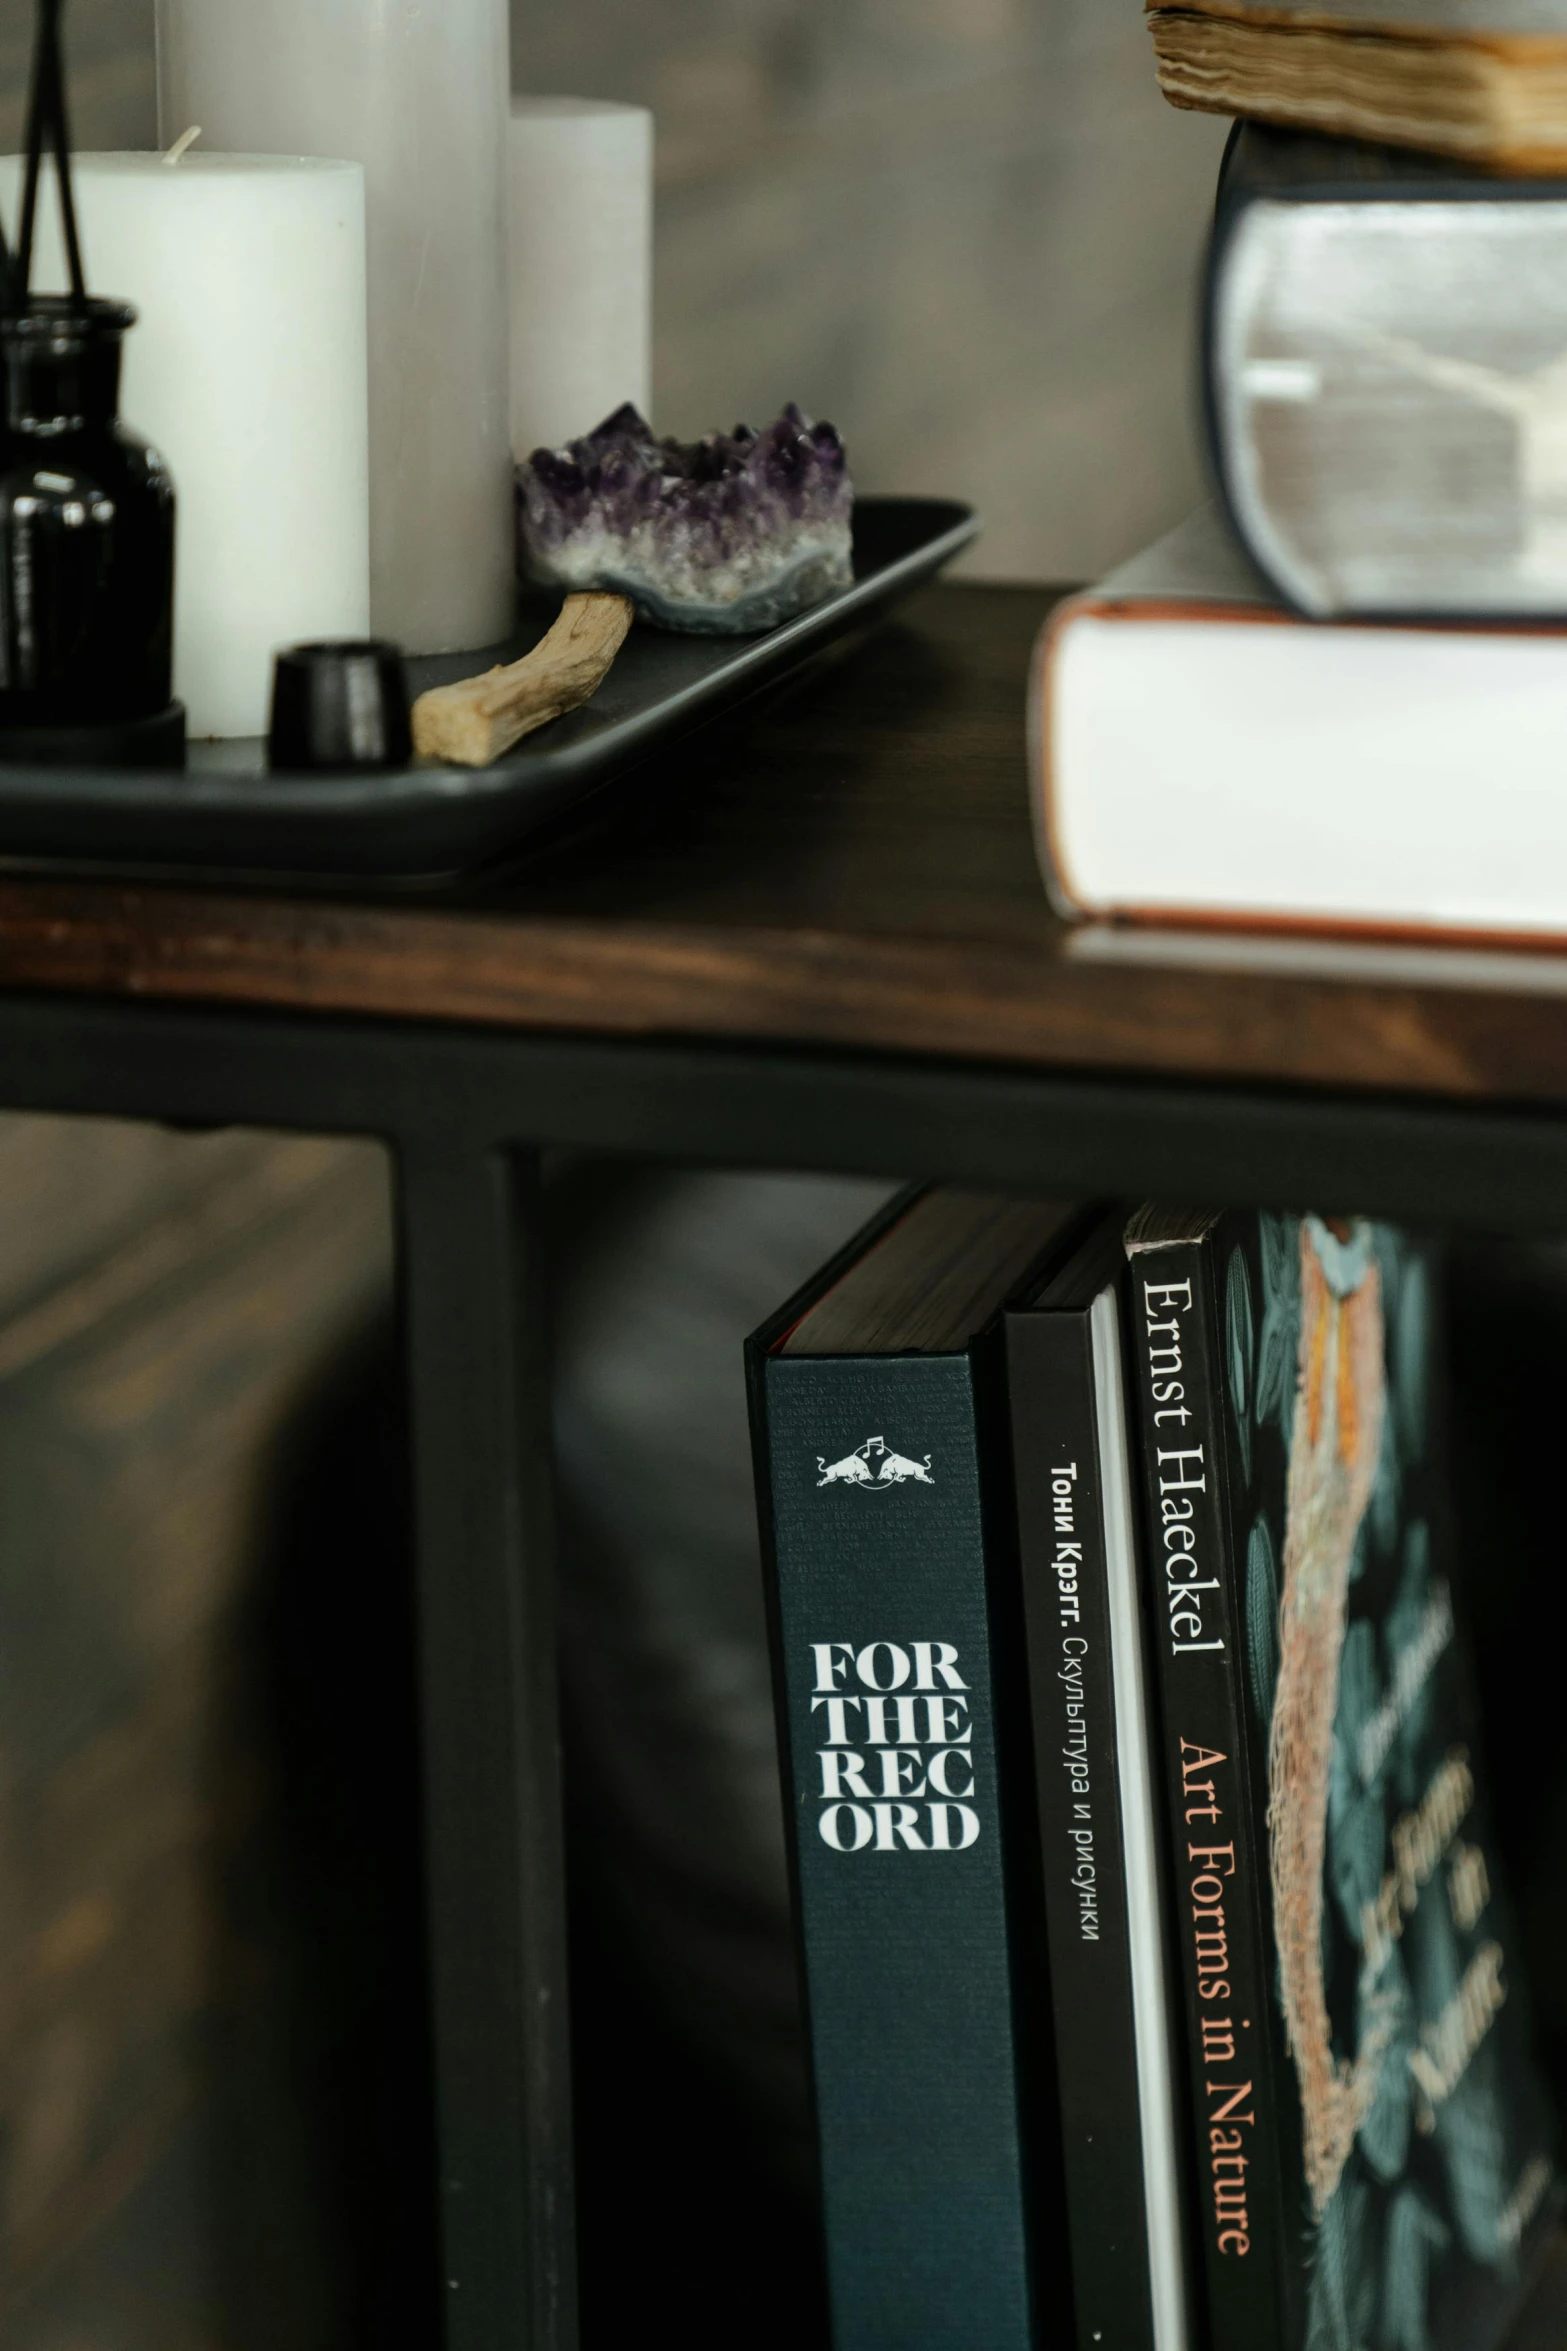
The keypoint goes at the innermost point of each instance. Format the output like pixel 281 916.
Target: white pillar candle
pixel 247 372
pixel 418 92
pixel 581 267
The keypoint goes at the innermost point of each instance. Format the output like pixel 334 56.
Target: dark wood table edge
pixel 1465 1027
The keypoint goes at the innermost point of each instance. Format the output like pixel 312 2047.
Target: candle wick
pixel 182 146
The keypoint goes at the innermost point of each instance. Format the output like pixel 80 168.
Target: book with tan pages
pixel 1481 81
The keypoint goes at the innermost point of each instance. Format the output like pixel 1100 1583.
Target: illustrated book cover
pixel 1370 2142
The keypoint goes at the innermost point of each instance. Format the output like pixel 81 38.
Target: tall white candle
pixel 417 91
pixel 581 266
pixel 247 372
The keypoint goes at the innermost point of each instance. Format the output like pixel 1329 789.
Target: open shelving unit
pixel 813 937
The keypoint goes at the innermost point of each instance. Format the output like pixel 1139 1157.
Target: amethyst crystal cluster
pixel 721 536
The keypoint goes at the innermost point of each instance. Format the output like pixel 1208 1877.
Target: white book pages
pixel 1201 756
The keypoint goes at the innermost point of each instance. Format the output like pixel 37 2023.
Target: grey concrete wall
pixel 966 230
pixel 111 67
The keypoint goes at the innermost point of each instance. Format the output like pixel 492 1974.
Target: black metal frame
pixel 465 1114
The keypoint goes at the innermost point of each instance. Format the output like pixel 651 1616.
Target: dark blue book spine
pixel 870 1473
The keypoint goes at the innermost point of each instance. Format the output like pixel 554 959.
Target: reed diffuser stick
pixel 62 163
pixel 48 124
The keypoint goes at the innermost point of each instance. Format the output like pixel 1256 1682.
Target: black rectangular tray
pixel 225 812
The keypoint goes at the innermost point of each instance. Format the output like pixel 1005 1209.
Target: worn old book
pixel 1371 2145
pixel 1202 755
pixel 1384 406
pixel 899 1661
pixel 1484 81
pixel 1106 1918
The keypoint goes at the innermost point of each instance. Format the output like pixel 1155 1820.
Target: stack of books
pixel 1162 1988
pixel 1338 698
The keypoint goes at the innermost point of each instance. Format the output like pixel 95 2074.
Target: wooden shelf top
pixel 850 866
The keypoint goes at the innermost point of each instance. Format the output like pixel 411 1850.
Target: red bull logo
pixel 875 1468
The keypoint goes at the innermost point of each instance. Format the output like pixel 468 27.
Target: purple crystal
pixel 722 536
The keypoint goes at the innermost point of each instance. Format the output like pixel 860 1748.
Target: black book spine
pixel 1218 1864
pixel 883 1644
pixel 1060 1491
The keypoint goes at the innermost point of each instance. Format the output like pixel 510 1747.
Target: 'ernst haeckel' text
pixel 1182 1467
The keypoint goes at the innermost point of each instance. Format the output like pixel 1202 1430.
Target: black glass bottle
pixel 86 528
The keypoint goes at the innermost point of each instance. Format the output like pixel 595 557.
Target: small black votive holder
pixel 337 705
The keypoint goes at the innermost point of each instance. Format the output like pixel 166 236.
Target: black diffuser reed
pixel 48 127
pixel 86 509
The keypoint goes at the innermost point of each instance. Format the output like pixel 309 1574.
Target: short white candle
pixel 581 267
pixel 417 91
pixel 247 372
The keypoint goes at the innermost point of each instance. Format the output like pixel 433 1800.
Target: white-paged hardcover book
pixel 1200 754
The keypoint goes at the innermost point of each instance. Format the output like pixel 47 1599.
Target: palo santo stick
pixel 473 723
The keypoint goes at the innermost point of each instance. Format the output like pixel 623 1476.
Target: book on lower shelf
pixel 1371 2147
pixel 1193 2015
pixel 873 1398
pixel 1111 1994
